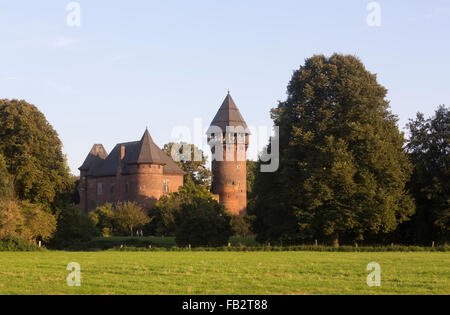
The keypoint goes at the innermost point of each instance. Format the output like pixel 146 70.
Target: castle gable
pixel 145 151
pixel 94 160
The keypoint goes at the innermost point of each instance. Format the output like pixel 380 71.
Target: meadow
pixel 227 273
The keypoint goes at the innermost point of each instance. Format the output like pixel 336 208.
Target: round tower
pixel 228 137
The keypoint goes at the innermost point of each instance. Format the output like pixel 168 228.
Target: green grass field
pixel 228 273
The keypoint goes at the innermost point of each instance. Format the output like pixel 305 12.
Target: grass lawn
pixel 227 273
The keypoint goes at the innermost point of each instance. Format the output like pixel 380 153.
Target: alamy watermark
pixel 374 278
pixel 74 278
pixel 229 145
pixel 74 16
pixel 374 17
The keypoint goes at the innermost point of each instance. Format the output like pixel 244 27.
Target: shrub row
pixel 16 244
pixel 284 249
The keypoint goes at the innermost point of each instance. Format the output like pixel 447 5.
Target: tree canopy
pixel 168 206
pixel 191 160
pixel 343 168
pixel 32 153
pixel 429 149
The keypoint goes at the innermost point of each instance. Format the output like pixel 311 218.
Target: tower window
pixel 166 188
pixel 99 189
pixel 112 188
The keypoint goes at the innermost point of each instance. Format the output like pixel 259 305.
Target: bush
pixel 128 217
pixel 240 226
pixel 73 227
pixel 17 244
pixel 39 224
pixel 203 223
pixel 6 181
pixel 11 219
pixel 103 218
pixel 167 208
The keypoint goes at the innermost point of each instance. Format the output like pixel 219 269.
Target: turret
pixel 228 137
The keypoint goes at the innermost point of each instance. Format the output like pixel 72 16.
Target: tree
pixel 343 168
pixel 429 149
pixel 39 225
pixel 128 216
pixel 103 218
pixel 240 226
pixel 32 152
pixel 168 206
pixel 203 223
pixel 11 219
pixel 6 182
pixel 73 227
pixel 191 160
pixel 25 220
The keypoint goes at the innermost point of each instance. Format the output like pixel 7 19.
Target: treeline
pixel 37 191
pixel 347 174
pixel 39 197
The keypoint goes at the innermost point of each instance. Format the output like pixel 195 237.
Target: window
pixel 127 187
pixel 166 188
pixel 112 188
pixel 99 189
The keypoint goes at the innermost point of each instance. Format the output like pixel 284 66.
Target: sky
pixel 166 64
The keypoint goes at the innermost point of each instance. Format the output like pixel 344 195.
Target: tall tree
pixel 342 165
pixel 166 209
pixel 6 182
pixel 192 160
pixel 32 152
pixel 128 217
pixel 429 148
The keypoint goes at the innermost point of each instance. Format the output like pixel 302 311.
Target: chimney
pixel 121 158
pixel 122 152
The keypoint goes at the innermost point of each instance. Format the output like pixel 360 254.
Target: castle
pixel 141 172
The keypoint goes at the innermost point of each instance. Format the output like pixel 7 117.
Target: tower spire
pixel 229 162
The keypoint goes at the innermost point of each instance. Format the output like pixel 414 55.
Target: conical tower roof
pixel 148 152
pixel 229 115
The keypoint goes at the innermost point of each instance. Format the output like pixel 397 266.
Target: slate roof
pixel 144 151
pixel 229 115
pixel 95 159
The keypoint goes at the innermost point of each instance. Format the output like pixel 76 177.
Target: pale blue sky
pixel 161 64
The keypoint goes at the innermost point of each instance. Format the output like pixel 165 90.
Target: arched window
pixel 99 189
pixel 166 187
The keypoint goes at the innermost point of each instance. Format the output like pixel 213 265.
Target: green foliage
pixel 191 160
pixel 240 226
pixel 17 244
pixel 193 216
pixel 32 152
pixel 202 223
pixel 25 220
pixel 429 149
pixel 342 165
pixel 73 227
pixel 128 217
pixel 6 181
pixel 168 206
pixel 103 218
pixel 11 219
pixel 39 225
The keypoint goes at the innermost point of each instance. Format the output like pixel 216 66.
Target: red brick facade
pixel 125 176
pixel 230 170
pixel 140 172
